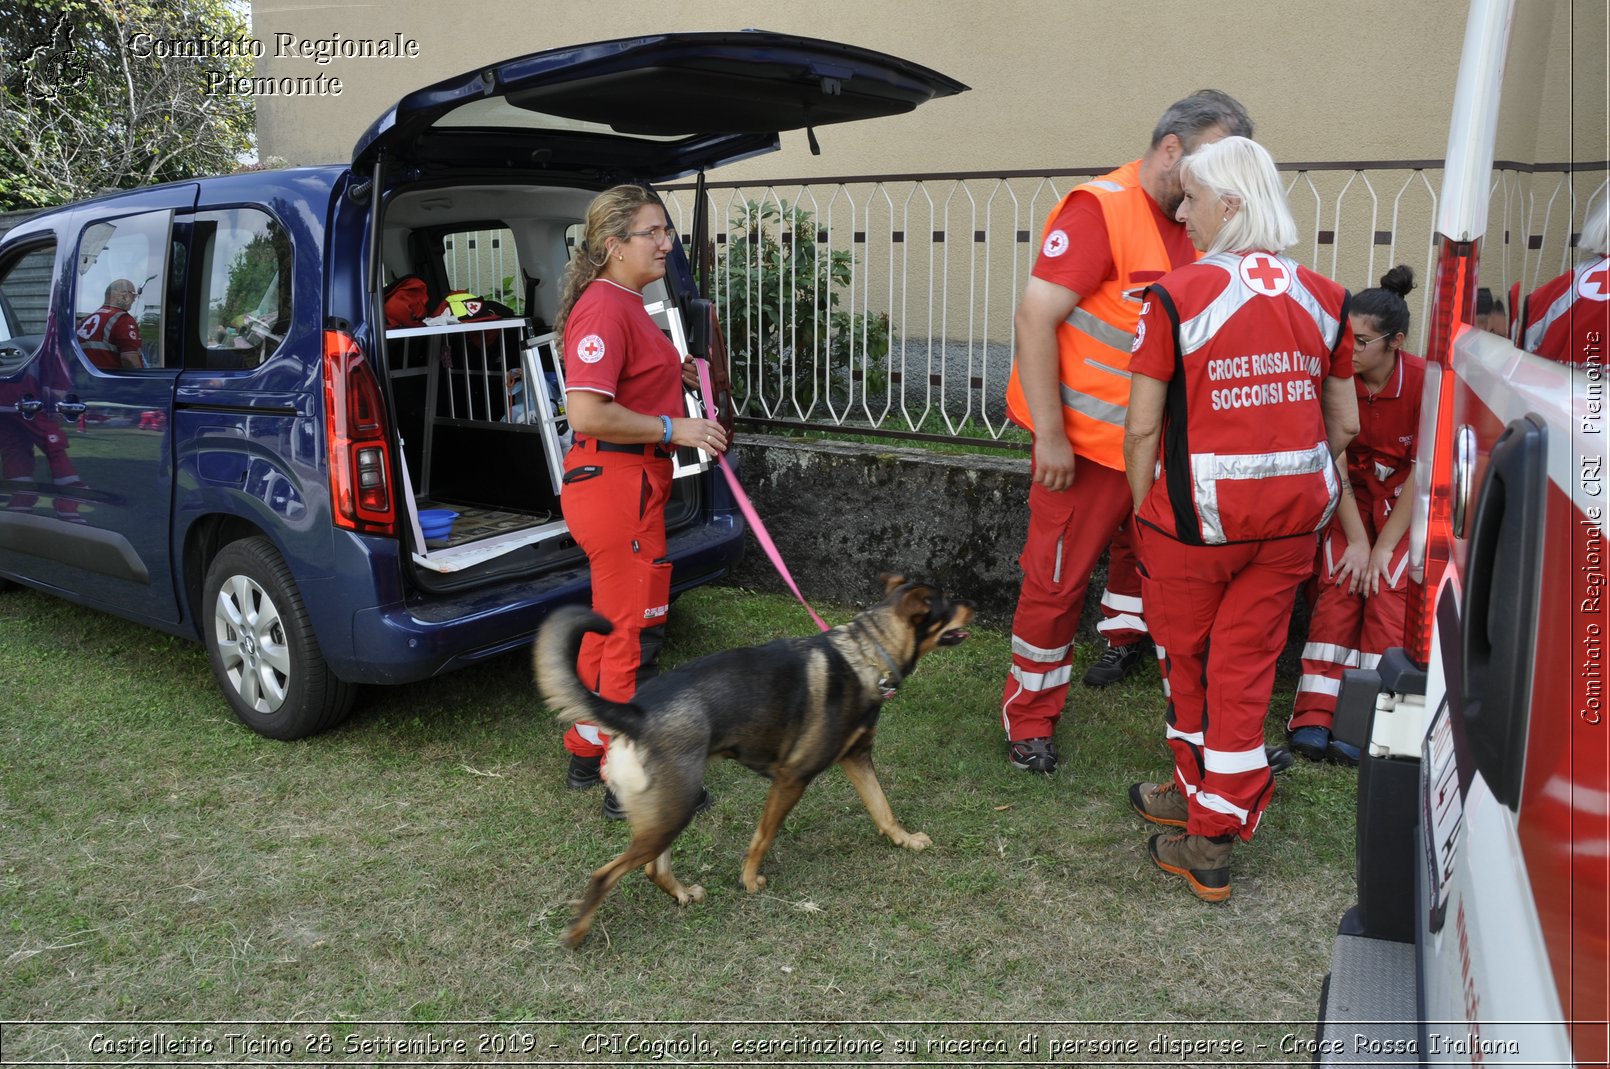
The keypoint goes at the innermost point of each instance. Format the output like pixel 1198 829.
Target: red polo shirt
pixel 613 347
pixel 1379 459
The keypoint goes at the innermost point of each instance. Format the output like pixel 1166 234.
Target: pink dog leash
pixel 744 504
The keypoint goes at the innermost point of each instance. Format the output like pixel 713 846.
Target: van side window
pixel 485 263
pixel 242 269
pixel 24 305
pixel 118 298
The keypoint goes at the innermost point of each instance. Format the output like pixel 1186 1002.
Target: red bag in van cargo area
pixel 406 301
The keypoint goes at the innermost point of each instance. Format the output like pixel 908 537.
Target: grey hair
pixel 1596 231
pixel 1198 113
pixel 1239 168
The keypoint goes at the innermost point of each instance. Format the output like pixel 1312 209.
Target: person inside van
pixel 1362 572
pixel 623 395
pixel 110 336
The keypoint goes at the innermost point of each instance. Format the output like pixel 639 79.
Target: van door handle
pixel 72 408
pixel 30 406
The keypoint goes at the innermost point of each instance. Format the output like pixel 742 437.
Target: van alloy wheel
pixel 251 643
pixel 262 647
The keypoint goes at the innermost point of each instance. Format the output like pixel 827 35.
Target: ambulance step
pixel 1370 1002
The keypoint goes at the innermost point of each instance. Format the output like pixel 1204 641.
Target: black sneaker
pixel 583 773
pixel 1034 755
pixel 1116 662
pixel 613 810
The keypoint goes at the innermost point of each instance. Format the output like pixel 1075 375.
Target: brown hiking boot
pixel 1160 803
pixel 1203 860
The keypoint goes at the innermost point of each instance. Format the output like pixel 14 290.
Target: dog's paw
pixel 914 840
pixel 756 884
pixel 690 895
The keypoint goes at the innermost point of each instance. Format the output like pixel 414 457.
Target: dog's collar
pixel 890 682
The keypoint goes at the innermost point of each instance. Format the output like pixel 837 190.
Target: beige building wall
pixel 1055 83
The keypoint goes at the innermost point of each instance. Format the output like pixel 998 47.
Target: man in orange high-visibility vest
pixel 1104 243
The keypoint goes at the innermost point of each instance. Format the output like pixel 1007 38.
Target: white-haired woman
pixel 1568 318
pixel 623 397
pixel 1239 405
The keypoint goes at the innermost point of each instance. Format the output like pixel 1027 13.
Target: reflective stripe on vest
pixel 1533 341
pixel 1230 318
pixel 1093 343
pixel 1209 469
pixel 98 338
pixel 1200 328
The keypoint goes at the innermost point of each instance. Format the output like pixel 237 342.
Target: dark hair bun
pixel 1400 280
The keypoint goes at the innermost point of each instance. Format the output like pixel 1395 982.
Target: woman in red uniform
pixel 1239 406
pixel 623 397
pixel 1363 599
pixel 1568 318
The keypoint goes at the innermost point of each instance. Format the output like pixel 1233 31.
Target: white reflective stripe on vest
pixel 1094 407
pixel 1200 328
pixel 1561 306
pixel 1094 326
pixel 1102 183
pixel 1207 469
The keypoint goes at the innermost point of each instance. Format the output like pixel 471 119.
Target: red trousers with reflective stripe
pixel 1347 630
pixel 614 505
pixel 1219 615
pixel 1067 532
pixel 1123 617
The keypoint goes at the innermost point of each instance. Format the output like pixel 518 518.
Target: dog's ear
pixel 890 581
pixel 917 603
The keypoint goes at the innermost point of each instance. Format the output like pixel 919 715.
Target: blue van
pixel 214 421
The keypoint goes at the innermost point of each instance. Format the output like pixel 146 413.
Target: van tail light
pixel 1452 307
pixel 359 447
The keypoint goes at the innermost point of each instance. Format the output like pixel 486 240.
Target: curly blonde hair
pixel 610 215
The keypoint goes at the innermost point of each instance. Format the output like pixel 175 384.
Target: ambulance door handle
pixel 1464 477
pixel 29 406
pixel 72 407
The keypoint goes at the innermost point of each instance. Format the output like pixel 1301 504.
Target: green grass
pixel 160 862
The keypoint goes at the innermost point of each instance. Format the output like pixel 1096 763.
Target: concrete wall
pixel 842 513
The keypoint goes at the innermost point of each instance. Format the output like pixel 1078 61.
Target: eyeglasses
pixel 657 234
pixel 1361 342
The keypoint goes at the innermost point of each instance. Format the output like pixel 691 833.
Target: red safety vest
pixel 95 336
pixel 1244 452
pixel 1567 319
pixel 1093 343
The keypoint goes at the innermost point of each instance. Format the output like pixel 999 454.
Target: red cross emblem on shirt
pixel 1265 275
pixel 590 349
pixel 1595 285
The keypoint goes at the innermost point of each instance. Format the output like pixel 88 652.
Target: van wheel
pixel 262 648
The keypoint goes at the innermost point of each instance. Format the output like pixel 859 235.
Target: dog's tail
pixel 553 657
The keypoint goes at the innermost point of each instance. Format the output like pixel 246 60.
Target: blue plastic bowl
pixel 437 523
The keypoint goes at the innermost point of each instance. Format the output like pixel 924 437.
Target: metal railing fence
pixel 884 304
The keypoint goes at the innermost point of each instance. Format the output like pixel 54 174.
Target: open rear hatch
pixel 479 406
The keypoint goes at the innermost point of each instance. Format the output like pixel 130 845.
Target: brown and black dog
pixel 788 710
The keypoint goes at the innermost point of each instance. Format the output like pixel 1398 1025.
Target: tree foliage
pixel 89 101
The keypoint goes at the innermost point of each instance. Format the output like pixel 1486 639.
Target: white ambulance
pixel 1483 918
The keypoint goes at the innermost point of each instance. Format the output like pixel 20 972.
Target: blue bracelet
pixel 666 422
